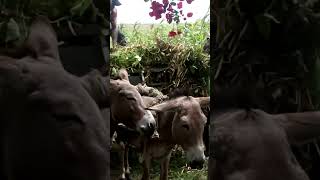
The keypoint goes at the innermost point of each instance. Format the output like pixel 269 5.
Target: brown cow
pixel 181 122
pixel 134 139
pixel 160 147
pixel 51 128
pixel 250 144
pixel 128 108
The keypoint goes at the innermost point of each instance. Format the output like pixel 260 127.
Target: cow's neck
pixel 116 120
pixel 300 127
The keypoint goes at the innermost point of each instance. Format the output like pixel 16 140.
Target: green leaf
pixel 113 71
pixel 13 31
pixel 271 17
pixel 137 60
pixel 80 7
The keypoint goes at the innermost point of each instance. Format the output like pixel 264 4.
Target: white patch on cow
pixel 195 153
pixel 128 170
pixel 114 137
pixel 147 118
pixel 123 174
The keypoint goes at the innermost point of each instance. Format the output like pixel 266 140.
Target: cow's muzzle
pixel 147 125
pixel 196 157
pixel 148 129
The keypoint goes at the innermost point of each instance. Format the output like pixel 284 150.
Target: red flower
pixel 166 8
pixel 157 9
pixel 165 2
pixel 169 17
pixel 170 8
pixel 172 34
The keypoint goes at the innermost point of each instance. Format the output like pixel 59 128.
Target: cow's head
pixel 127 105
pixel 52 124
pixel 187 125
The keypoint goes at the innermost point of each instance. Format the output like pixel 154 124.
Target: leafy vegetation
pixel 273 46
pixel 181 57
pixel 16 16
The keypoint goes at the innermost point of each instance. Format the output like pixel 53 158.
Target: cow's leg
pixel 146 168
pixel 122 155
pixel 126 163
pixel 164 167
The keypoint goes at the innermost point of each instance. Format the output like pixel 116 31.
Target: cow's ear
pixel 300 127
pixel 203 101
pixel 123 74
pixel 42 40
pixel 97 87
pixel 170 105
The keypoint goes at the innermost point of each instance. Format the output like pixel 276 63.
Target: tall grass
pixel 182 56
pixel 177 168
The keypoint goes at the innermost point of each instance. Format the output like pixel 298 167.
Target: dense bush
pixel 272 46
pixel 181 56
pixel 16 16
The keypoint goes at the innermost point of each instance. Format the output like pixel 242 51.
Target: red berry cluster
pixel 172 10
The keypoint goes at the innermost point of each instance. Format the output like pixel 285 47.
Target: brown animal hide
pixel 51 128
pixel 254 145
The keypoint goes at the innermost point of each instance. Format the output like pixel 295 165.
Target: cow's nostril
pixel 151 126
pixel 148 129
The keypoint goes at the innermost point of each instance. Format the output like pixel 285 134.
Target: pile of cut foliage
pixel 272 46
pixel 177 61
pixel 16 16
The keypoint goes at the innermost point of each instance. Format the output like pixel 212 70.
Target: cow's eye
pixel 186 126
pixel 131 98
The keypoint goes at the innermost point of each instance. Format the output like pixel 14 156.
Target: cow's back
pixel 251 146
